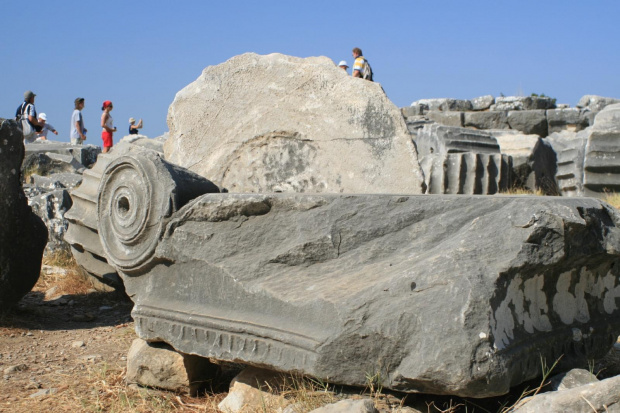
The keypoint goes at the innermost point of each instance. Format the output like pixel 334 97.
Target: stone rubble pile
pixel 553 161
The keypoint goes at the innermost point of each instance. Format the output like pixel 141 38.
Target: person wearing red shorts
pixel 107 123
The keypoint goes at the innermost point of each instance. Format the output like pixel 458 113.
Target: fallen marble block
pixel 436 294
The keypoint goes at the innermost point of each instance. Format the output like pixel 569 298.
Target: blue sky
pixel 140 53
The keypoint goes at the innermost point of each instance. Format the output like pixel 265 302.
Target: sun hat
pixel 43 116
pixel 106 103
pixel 28 94
pixel 343 63
pixel 131 120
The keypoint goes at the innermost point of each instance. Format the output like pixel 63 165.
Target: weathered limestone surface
pixel 160 366
pixel 461 161
pixel 570 119
pixel 522 103
pixel 533 160
pixel 337 286
pixel 348 406
pixel 251 390
pixel 278 123
pixel 603 396
pixel 528 121
pixel 446 118
pixel 22 234
pixel 571 379
pixel 51 207
pixel 569 148
pixel 602 153
pixel 596 103
pixel 156 183
pixel 486 120
pixel 84 154
pixel 482 102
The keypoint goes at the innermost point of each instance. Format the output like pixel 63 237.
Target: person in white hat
pixel 343 65
pixel 45 127
pixel 133 128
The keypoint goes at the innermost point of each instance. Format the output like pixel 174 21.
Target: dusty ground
pixel 52 346
pixel 64 346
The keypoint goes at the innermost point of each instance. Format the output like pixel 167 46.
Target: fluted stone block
pixel 22 233
pixel 462 161
pixel 569 148
pixel 467 173
pixel 602 154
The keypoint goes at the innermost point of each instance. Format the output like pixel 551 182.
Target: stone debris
pixel 598 396
pixel 44 392
pixel 253 389
pixel 348 406
pixel 158 365
pixel 571 379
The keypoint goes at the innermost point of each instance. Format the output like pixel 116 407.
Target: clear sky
pixel 140 53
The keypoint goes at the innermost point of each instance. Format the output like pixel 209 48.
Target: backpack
pixel 367 71
pixel 20 111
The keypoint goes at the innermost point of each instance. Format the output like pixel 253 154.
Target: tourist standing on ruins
pixel 45 127
pixel 133 129
pixel 107 123
pixel 78 131
pixel 343 65
pixel 27 115
pixel 361 67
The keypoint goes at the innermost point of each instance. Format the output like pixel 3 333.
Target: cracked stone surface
pixel 342 286
pixel 278 123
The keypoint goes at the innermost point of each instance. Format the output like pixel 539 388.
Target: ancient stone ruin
pixel 22 234
pixel 336 286
pixel 351 271
pixel 552 159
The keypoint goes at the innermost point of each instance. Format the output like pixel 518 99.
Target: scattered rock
pixel 44 392
pixel 159 365
pixel 250 390
pixel 571 379
pixel 348 406
pixel 602 396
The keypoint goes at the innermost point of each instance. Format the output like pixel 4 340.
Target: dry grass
pixel 612 199
pixel 62 272
pixel 523 191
